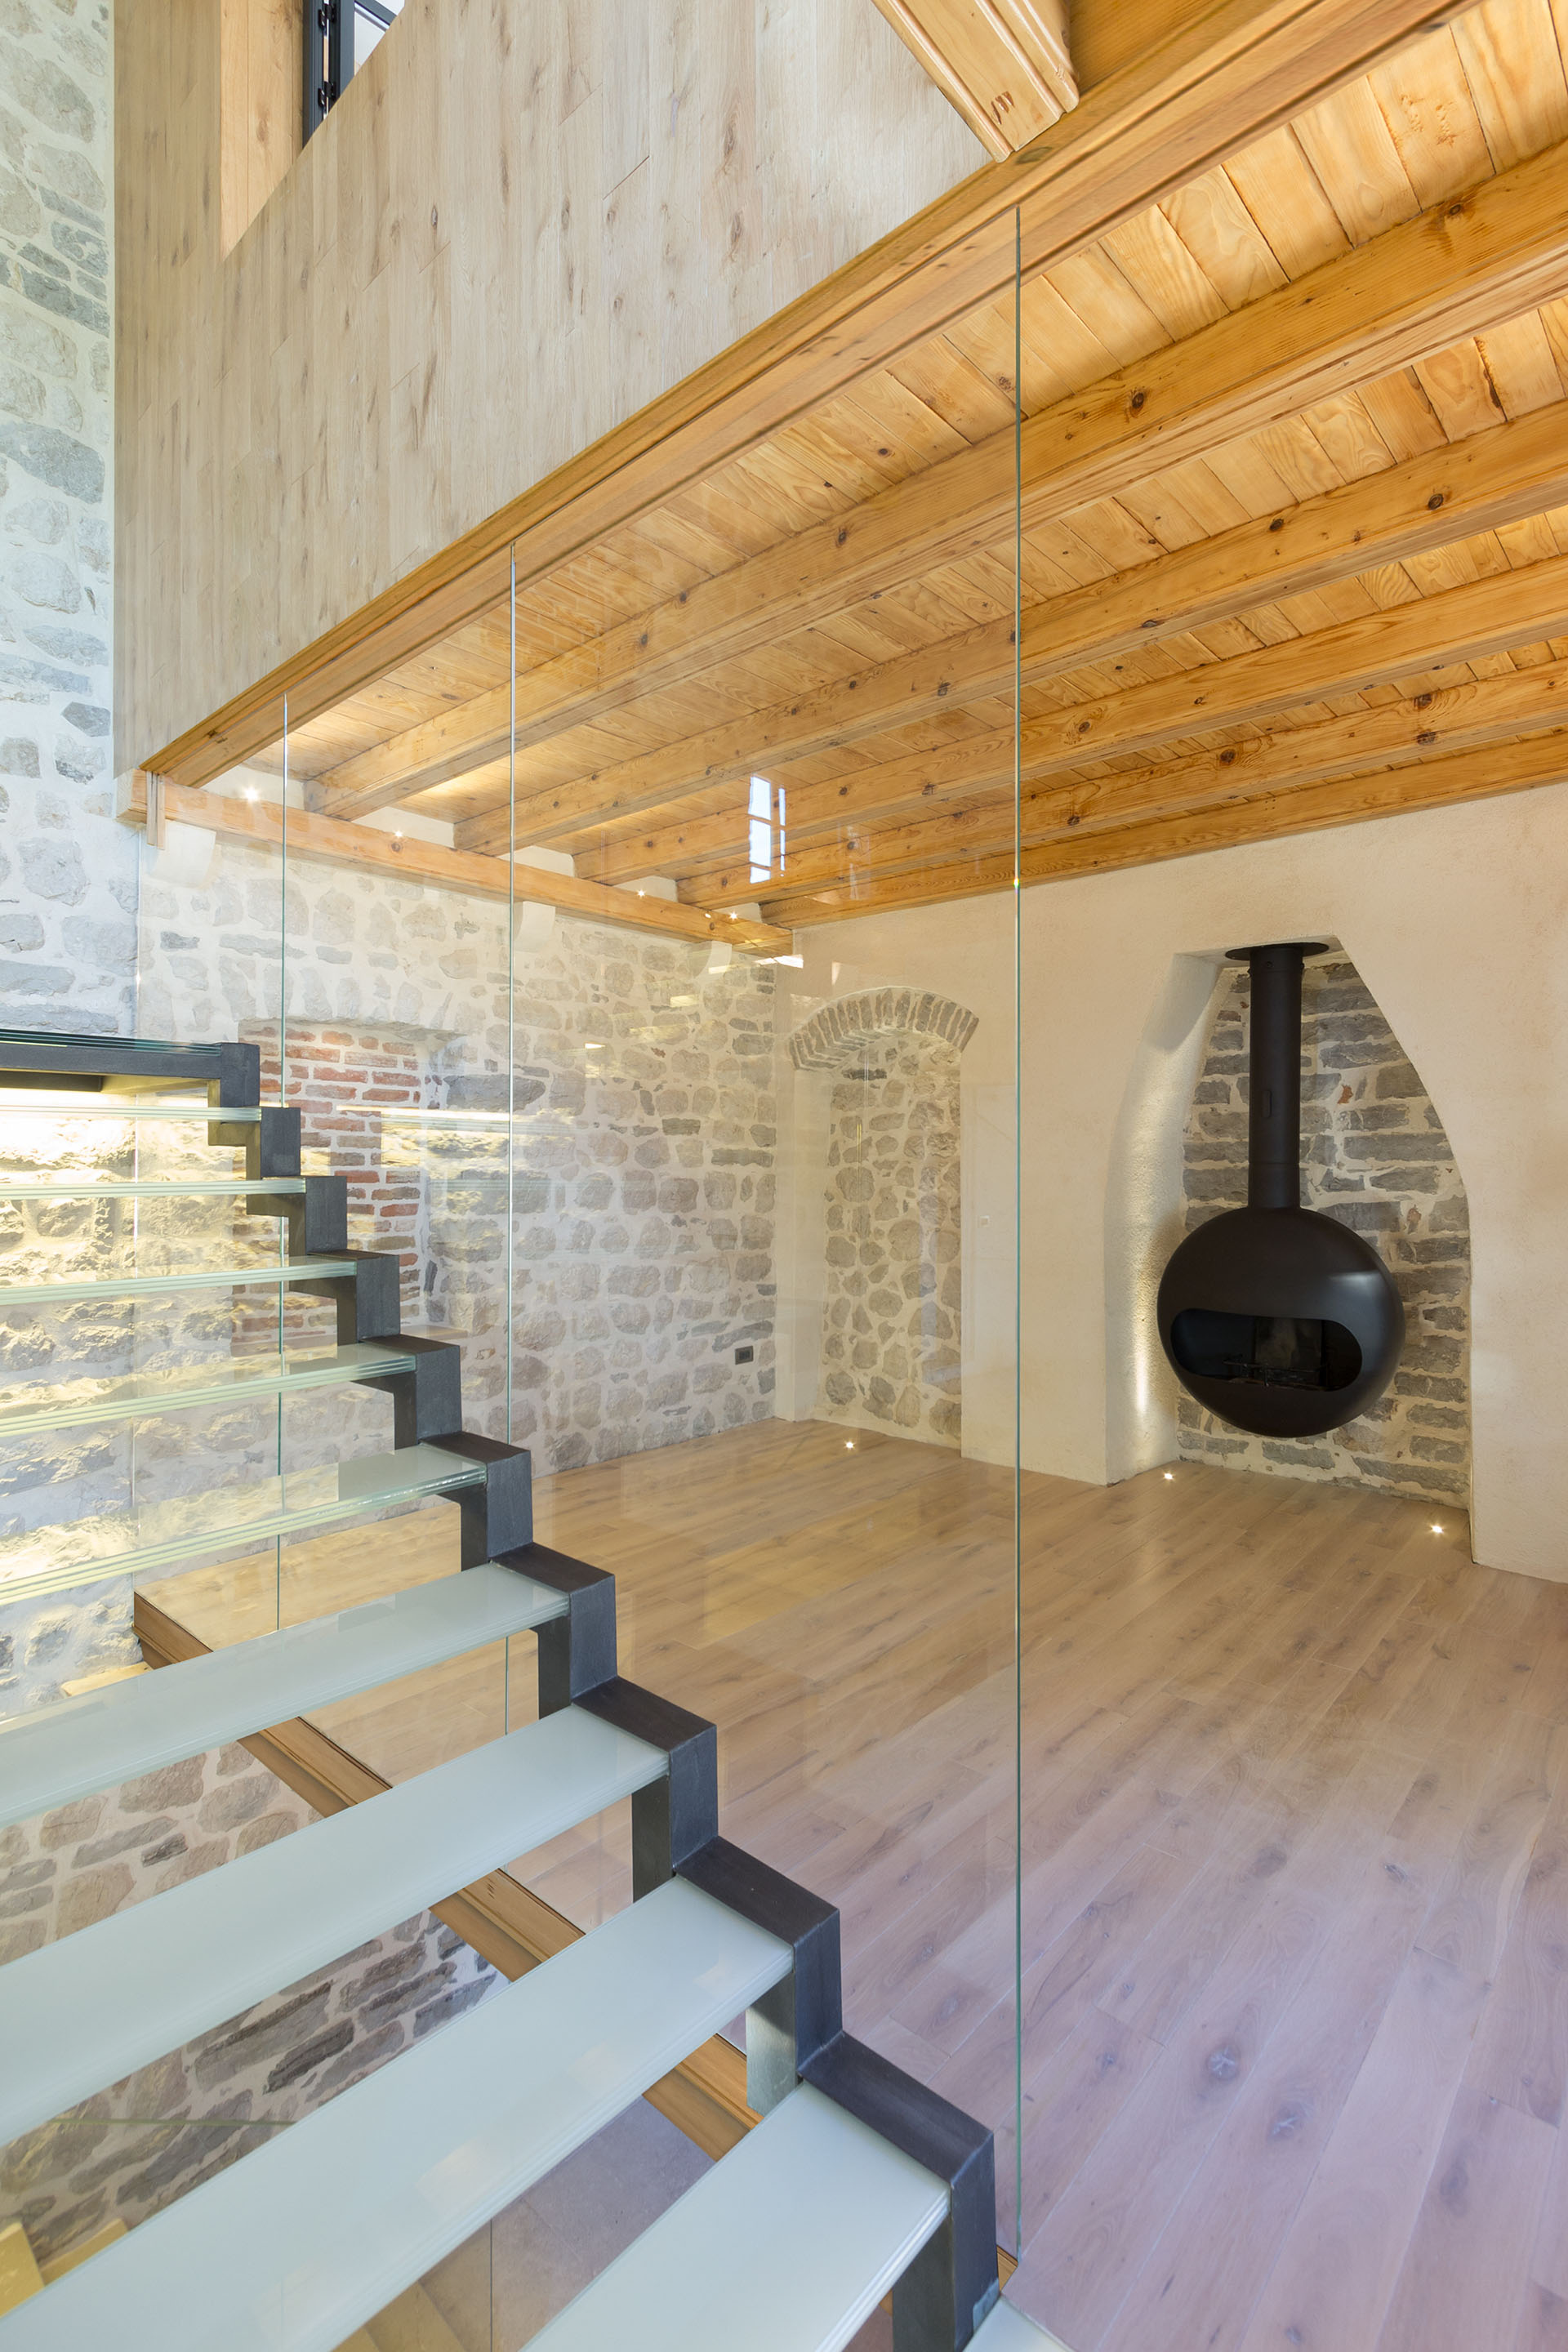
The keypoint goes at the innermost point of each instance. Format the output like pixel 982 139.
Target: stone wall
pixel 644 1142
pixel 893 1284
pixel 1375 1157
pixel 86 1475
pixel 140 2144
pixel 67 872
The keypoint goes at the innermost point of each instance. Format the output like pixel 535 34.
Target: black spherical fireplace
pixel 1279 1320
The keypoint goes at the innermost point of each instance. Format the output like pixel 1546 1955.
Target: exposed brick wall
pixel 1375 1156
pixel 342 1079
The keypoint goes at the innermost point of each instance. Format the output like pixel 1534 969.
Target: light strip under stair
pixel 160 1535
pixel 78 2015
pixel 227 1381
pixel 153 1286
pixel 294 2247
pixel 788 2244
pixel 59 1753
pixel 85 1189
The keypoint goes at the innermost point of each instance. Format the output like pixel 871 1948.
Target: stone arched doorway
pixel 891 1325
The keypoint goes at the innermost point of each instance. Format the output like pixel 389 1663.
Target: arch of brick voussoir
pixel 821 1042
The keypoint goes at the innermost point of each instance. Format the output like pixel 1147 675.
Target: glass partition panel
pixel 766 1150
pixel 643 957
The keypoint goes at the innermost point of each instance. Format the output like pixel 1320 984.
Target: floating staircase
pixel 858 2182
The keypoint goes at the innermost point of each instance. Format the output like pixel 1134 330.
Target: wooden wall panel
pixel 520 225
pixel 258 106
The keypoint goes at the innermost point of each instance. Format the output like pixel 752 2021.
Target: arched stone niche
pixel 1375 1155
pixel 850 1022
pixel 883 1065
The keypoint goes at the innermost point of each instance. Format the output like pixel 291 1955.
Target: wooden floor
pixel 1295 1835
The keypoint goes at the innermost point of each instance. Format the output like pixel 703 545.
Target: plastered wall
pixel 1457 922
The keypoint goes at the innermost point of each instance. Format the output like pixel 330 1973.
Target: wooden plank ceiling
pixel 1293 542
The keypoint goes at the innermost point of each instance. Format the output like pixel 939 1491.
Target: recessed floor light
pixel 1169 1474
pixel 849 1446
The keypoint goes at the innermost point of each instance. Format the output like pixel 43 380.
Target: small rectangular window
pixel 339 37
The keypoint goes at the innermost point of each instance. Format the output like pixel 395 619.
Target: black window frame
pixel 329 51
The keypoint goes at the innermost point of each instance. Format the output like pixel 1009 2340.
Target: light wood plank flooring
pixel 1294 1902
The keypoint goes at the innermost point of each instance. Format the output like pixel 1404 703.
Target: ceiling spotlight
pixel 251 793
pixel 1436 1528
pixel 735 918
pixel 1169 1474
pixel 849 1446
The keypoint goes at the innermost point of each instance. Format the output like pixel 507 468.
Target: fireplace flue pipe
pixel 1274 1076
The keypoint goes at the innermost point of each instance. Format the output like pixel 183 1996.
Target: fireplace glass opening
pixel 1281 1351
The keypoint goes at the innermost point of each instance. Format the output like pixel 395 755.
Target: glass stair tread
pixel 110 1286
pixel 57 1104
pixel 155 1189
pixel 227 1381
pixel 84 1055
pixel 309 2237
pixel 79 2014
pixel 1008 2330
pixel 158 1535
pixel 80 1744
pixel 803 2227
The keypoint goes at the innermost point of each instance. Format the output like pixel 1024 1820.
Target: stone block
pixel 173 1786
pixel 91 1896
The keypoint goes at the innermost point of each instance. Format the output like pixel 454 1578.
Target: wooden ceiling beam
pixel 1420 729
pixel 1223 77
pixel 1002 65
pixel 1472 485
pixel 1308 808
pixel 410 860
pixel 1462 266
pixel 1464 624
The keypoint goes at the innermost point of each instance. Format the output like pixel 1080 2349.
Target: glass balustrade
pixel 712 1177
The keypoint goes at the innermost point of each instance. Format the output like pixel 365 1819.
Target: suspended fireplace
pixel 1274 1318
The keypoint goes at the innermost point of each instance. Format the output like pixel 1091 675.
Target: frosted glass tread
pixel 229 1380
pixel 216 1187
pixel 56 1104
pixel 158 1535
pixel 78 2015
pixel 293 2248
pixel 803 2229
pixel 154 1286
pixel 70 1749
pixel 1007 2330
